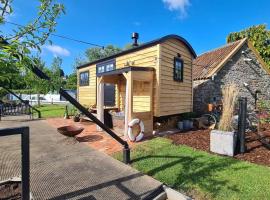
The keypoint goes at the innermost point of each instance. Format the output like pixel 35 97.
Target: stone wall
pixel 238 71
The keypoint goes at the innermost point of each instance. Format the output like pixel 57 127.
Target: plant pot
pixel 180 126
pixel 190 124
pixel 76 118
pixel 223 142
pixel 186 125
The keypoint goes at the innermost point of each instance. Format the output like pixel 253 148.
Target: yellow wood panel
pixel 172 112
pixel 143 58
pixel 87 94
pixel 170 47
pixel 141 96
pixel 175 97
pixel 147 54
pixel 178 45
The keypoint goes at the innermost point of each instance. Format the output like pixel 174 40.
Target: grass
pixel 51 110
pixel 200 174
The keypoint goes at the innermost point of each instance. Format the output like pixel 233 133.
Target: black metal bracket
pixel 24 131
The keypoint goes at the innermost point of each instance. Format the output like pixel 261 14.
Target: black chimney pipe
pixel 135 37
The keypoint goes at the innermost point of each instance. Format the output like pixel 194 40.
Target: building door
pixel 109 94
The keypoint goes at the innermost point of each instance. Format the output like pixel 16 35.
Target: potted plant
pixel 76 117
pixel 223 139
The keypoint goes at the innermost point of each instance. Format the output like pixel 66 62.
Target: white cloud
pixel 178 5
pixel 57 50
pixel 136 23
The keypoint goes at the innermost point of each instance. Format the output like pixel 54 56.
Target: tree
pixel 71 82
pixel 15 48
pixel 260 38
pixel 38 86
pixel 96 53
pixel 57 74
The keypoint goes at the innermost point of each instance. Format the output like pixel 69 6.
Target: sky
pixel 203 23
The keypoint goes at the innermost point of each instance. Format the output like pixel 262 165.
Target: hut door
pixel 109 94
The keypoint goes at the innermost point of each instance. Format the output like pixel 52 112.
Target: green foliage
pixel 200 174
pixel 71 82
pixel 128 46
pixel 56 74
pixel 264 111
pixel 260 38
pixel 32 82
pixel 93 54
pixel 15 48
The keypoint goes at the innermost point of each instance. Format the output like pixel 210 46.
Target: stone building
pixel 237 62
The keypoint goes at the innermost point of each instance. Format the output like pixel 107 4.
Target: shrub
pixel 229 97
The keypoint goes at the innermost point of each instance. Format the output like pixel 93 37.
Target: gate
pixel 15 109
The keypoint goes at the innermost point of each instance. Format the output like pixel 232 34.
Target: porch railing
pixel 23 108
pixel 24 132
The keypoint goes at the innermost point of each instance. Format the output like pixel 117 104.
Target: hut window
pixel 178 69
pixel 84 78
pixel 106 66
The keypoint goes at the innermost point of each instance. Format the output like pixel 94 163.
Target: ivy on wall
pixel 260 38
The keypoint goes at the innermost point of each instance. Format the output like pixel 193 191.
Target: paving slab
pixel 63 169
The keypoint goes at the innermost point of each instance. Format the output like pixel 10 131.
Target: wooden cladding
pixel 171 95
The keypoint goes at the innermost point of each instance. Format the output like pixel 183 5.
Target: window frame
pixel 108 63
pixel 175 78
pixel 86 83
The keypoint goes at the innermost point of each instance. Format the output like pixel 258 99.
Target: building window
pixel 106 66
pixel 178 70
pixel 84 78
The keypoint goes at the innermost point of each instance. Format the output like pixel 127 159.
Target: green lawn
pixel 200 174
pixel 51 110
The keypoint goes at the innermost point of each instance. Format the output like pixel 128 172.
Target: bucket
pixel 190 124
pixel 180 125
pixel 186 124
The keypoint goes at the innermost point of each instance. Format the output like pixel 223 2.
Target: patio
pixel 98 140
pixel 63 170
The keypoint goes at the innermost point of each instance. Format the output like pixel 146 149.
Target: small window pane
pixel 84 78
pixel 178 69
pixel 106 66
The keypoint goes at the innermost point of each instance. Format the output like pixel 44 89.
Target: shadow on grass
pixel 194 172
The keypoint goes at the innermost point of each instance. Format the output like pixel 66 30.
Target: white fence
pixel 44 99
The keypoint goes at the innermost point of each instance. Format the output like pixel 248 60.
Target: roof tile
pixel 204 64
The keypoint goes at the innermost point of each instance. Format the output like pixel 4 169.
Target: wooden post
pixel 130 96
pixel 128 100
pixel 100 101
pixel 126 107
